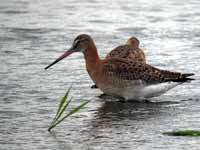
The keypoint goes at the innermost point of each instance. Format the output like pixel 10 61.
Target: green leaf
pixel 184 133
pixel 62 101
pixel 63 109
pixel 78 108
pixel 70 113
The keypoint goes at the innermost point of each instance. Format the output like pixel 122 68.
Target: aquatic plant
pixel 184 133
pixel 64 103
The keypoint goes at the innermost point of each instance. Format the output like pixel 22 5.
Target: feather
pixel 125 69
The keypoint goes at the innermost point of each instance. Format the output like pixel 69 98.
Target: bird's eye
pixel 76 43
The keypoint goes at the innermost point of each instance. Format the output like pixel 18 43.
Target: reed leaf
pixel 62 101
pixel 63 109
pixel 70 113
pixel 183 133
pixel 77 108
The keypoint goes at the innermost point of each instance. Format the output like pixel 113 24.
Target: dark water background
pixel 34 33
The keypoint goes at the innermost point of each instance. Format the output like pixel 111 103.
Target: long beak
pixel 67 53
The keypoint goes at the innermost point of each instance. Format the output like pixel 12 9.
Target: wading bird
pixel 130 50
pixel 121 77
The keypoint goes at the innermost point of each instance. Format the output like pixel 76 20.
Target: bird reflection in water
pixel 119 118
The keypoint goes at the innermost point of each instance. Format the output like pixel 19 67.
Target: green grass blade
pixel 78 108
pixel 62 101
pixel 59 115
pixel 183 133
pixel 63 109
pixel 69 114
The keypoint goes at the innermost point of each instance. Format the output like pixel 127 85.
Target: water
pixel 34 33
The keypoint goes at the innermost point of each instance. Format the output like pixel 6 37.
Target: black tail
pixel 187 75
pixel 182 78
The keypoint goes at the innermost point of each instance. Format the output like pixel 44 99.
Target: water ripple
pixel 34 33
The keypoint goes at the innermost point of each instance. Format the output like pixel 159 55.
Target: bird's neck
pixel 93 63
pixel 133 44
pixel 91 56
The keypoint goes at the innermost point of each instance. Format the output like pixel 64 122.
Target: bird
pixel 129 50
pixel 121 77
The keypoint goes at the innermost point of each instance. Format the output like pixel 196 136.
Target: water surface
pixel 34 33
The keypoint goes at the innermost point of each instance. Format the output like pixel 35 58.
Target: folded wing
pixel 127 52
pixel 125 69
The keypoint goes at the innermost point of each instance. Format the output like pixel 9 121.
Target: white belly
pixel 140 92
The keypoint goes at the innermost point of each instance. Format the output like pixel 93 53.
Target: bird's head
pixel 81 43
pixel 133 41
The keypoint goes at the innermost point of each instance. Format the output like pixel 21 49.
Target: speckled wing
pixel 125 69
pixel 128 52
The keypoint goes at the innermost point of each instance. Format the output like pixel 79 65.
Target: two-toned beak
pixel 67 53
